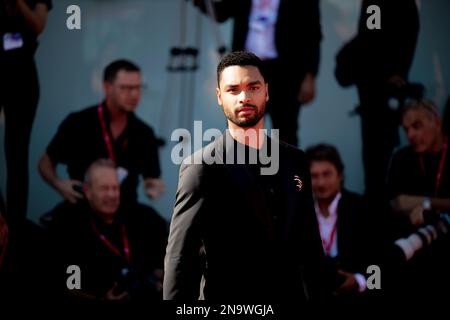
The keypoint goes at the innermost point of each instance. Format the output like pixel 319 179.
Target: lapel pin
pixel 299 182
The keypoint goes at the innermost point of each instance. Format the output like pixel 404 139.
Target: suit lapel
pixel 343 224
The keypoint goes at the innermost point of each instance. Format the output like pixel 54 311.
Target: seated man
pixel 419 176
pixel 107 130
pixel 119 255
pixel 343 220
pixel 418 182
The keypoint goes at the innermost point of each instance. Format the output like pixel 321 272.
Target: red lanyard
pixel 265 4
pixel 110 246
pixel 106 137
pixel 327 245
pixel 440 169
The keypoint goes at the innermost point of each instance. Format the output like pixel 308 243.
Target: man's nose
pixel 244 97
pixel 410 135
pixel 320 182
pixel 112 192
pixel 136 93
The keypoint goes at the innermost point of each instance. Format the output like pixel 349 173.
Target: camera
pixel 78 188
pixel 398 95
pixel 138 284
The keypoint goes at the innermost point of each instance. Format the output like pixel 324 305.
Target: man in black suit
pixel 345 223
pixel 250 235
pixel 378 61
pixel 286 35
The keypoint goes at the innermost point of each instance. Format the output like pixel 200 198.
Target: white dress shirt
pixel 261 28
pixel 326 226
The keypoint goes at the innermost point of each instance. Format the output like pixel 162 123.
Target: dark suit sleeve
pixel 298 35
pixel 390 50
pixel 316 273
pixel 182 261
pixel 313 36
pixel 222 9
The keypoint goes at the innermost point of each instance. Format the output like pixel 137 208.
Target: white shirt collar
pixel 332 208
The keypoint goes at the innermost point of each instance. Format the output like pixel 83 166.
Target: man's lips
pixel 246 109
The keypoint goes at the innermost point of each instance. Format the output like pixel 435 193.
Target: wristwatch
pixel 426 203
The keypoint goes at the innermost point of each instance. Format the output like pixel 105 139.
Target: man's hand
pixel 35 18
pixel 154 187
pixel 396 81
pixel 416 216
pixel 350 283
pixel 66 189
pixel 307 89
pixel 111 295
pixel 159 276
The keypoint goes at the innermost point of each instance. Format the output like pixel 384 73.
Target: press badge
pixel 12 41
pixel 122 173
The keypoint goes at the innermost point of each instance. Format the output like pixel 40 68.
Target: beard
pixel 249 121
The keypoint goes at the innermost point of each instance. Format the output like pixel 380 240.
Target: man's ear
pixel 267 92
pixel 219 96
pixel 106 87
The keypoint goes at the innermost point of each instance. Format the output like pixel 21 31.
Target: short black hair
pixel 114 67
pixel 325 152
pixel 239 58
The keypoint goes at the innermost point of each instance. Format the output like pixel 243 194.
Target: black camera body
pixel 78 188
pixel 139 285
pixel 404 93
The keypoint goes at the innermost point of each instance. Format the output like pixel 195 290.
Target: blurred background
pixel 70 65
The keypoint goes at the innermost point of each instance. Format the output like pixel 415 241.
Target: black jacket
pixel 256 247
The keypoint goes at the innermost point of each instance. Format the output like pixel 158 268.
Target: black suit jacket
pixel 249 254
pixel 373 56
pixel 297 31
pixel 358 242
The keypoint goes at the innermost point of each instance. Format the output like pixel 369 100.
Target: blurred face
pixel 243 94
pixel 124 93
pixel 326 180
pixel 103 192
pixel 422 130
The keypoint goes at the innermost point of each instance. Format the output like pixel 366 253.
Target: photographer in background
pixel 120 255
pixel 21 22
pixel 378 61
pixel 419 187
pixel 419 176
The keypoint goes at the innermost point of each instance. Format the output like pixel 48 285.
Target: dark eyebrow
pixel 231 86
pixel 253 83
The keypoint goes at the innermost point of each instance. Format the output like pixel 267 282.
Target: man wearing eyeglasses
pixel 109 129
